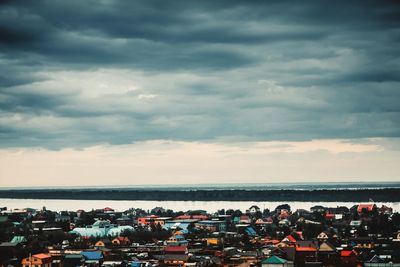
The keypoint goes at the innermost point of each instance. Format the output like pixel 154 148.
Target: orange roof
pixel 41 256
pixel 305 249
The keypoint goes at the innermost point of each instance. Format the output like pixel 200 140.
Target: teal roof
pixel 274 260
pixel 100 231
pixel 18 239
pixel 117 231
pixel 94 232
pixel 73 256
pixel 3 218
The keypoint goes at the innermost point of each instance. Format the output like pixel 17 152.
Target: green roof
pixel 73 256
pixel 274 260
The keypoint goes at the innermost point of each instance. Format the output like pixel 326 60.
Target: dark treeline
pixel 351 195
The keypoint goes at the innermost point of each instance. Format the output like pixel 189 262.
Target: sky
pixel 170 92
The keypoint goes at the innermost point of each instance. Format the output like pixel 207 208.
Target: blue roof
pixel 250 231
pixel 92 255
pixel 210 222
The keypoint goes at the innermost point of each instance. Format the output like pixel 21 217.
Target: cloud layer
pixel 169 162
pixel 76 74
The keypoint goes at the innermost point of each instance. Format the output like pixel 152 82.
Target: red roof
pixel 300 234
pixel 175 249
pixel 291 239
pixel 368 207
pixel 123 238
pixel 306 249
pixel 329 216
pixel 347 253
pixel 108 209
pixel 196 217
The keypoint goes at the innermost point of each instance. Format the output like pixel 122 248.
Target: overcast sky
pixel 140 92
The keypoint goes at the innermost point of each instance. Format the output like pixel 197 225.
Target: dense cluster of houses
pixel 364 235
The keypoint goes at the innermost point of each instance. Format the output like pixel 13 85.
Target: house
pixel 307 243
pixel 124 220
pixel 37 260
pixel 366 208
pixel 245 229
pixel 276 251
pixel 318 209
pixel 284 222
pixel 328 254
pixel 244 219
pixel 158 210
pixel 92 257
pixel 355 224
pixel 254 209
pixel 179 224
pixel 121 241
pixel 264 222
pixel 385 210
pixel 18 239
pixel 330 216
pixel 177 240
pixel 323 236
pixel 145 220
pixel 175 255
pixel 73 260
pixel 101 228
pixel 275 261
pixel 289 240
pixel 362 242
pixel 348 258
pixel 103 243
pixel 108 210
pixel 158 220
pixel 192 217
pixel 305 254
pixel 284 214
pixel 212 226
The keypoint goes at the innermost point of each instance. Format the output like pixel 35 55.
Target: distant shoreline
pixel 329 195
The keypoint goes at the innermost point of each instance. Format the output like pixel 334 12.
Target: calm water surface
pixel 209 206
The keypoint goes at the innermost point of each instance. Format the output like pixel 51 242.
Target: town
pixel 363 235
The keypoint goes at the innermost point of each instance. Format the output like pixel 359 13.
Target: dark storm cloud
pixel 209 70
